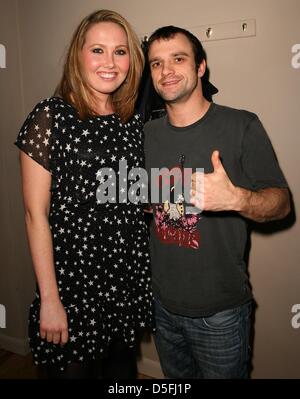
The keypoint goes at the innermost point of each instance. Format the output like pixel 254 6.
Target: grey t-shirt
pixel 198 260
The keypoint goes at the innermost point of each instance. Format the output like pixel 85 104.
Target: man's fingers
pixel 197 193
pixel 215 160
pixel 197 175
pixel 197 181
pixel 197 203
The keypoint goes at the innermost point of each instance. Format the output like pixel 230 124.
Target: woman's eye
pixel 121 52
pixel 97 50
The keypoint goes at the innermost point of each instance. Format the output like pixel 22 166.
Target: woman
pixel 90 257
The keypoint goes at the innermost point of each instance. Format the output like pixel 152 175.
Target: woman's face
pixel 105 58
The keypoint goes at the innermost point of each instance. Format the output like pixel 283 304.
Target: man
pixel 202 295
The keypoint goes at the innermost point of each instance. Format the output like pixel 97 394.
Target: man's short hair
pixel 168 32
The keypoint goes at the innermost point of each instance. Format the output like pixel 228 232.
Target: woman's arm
pixel 36 194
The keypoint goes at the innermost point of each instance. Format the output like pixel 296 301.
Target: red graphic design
pixel 180 230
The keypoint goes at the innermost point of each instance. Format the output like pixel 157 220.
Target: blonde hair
pixel 74 89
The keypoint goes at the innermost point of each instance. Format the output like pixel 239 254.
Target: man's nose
pixel 167 68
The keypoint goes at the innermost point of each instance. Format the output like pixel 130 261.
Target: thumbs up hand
pixel 213 191
pixel 216 162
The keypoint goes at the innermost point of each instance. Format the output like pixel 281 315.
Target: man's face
pixel 173 69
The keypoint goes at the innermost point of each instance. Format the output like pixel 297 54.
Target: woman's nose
pixel 109 60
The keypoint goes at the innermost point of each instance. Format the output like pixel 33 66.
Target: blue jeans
pixel 204 347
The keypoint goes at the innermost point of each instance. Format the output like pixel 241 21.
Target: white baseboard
pixel 15 345
pixel 150 367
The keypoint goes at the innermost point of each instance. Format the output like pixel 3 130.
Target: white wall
pixel 252 73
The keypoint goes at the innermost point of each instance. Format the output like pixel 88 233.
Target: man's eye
pixel 97 50
pixel 155 65
pixel 178 59
pixel 121 52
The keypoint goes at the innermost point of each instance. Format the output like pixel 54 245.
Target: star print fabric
pixel 101 252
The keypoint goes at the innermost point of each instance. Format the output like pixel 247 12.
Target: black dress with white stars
pixel 100 250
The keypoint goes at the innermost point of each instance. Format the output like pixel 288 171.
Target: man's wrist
pixel 242 199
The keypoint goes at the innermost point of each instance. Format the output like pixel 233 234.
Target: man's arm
pixel 264 205
pixel 215 192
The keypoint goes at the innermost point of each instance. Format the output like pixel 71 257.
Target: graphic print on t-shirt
pixel 173 222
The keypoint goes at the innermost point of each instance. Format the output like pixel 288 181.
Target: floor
pixel 14 366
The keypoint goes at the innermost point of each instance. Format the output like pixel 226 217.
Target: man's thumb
pixel 216 161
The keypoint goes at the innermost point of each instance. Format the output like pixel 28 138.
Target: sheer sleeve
pixel 36 135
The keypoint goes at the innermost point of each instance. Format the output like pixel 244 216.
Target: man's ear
pixel 202 69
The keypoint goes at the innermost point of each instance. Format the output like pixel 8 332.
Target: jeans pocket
pixel 222 320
